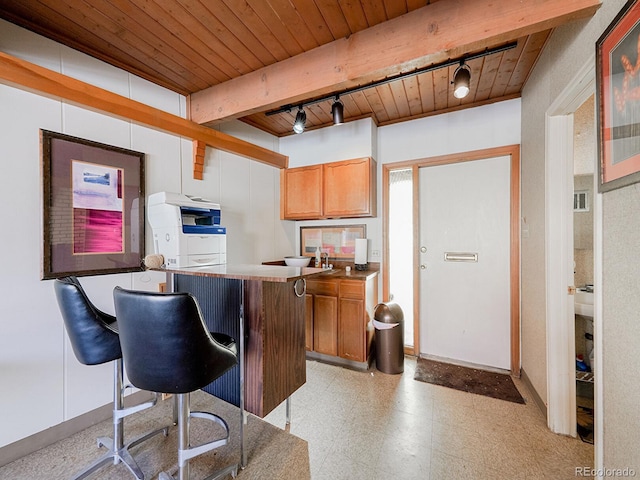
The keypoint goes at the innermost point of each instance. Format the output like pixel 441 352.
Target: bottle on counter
pixel 318 260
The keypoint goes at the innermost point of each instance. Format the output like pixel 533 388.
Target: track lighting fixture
pixel 301 120
pixel 461 79
pixel 337 111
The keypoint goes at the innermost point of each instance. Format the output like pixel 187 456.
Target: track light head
pixel 337 111
pixel 461 80
pixel 301 120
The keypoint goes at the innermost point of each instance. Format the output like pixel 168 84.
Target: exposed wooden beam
pixel 28 76
pixel 423 37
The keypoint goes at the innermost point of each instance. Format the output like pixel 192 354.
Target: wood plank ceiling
pixel 190 45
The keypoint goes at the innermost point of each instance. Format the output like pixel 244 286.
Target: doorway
pixel 512 152
pixel 560 310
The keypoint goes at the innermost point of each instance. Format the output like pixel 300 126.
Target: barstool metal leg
pixel 118 450
pixel 186 452
pixel 288 410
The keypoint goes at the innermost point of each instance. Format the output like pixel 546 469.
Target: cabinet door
pixel 325 324
pixel 351 330
pixel 301 192
pixel 308 321
pixel 349 188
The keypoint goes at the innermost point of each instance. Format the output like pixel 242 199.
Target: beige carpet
pixel 272 453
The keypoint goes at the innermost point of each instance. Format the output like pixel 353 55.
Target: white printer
pixel 186 230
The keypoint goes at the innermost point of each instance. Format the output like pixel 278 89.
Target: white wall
pixel 36 359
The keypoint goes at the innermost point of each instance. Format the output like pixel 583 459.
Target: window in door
pixel 401 246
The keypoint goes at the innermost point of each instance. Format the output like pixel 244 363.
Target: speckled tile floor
pixel 370 425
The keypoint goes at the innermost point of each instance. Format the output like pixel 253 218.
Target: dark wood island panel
pixel 274 336
pixel 275 353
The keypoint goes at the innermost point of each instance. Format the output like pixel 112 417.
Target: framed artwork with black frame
pixel 93 207
pixel 618 94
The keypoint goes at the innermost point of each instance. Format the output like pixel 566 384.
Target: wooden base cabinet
pixel 338 317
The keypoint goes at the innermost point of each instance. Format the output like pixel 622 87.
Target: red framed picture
pixel 618 92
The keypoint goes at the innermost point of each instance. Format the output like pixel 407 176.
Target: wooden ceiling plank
pixel 362 103
pixel 526 61
pixel 105 21
pixel 412 90
pixel 425 84
pixel 351 108
pixel 24 75
pixel 442 88
pixel 294 23
pixel 79 37
pixel 278 27
pixel 395 8
pixel 354 15
pixel 415 4
pixel 505 69
pixel 308 11
pixel 332 13
pixel 388 100
pixel 258 29
pixel 195 22
pixel 163 33
pixel 228 19
pixel 487 77
pixel 374 12
pixel 377 106
pixel 400 96
pixel 400 44
pixel 109 29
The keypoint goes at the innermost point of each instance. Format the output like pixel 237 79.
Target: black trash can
pixel 388 321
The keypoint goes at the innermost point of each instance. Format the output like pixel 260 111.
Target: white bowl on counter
pixel 297 261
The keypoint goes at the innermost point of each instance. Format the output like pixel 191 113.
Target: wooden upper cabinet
pixel 332 190
pixel 301 193
pixel 349 188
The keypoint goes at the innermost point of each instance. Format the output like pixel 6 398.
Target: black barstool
pixel 167 348
pixel 94 338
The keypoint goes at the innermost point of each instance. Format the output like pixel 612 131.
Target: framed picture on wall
pixel 618 93
pixel 93 207
pixel 339 241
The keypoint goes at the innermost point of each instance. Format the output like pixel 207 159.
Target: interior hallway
pixel 377 426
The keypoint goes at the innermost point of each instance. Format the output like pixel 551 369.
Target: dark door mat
pixel 585 424
pixel 480 382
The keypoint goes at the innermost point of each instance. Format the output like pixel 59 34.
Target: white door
pixel 464 261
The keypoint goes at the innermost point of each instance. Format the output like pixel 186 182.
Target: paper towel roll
pixel 361 251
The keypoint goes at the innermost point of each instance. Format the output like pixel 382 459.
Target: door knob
pixel 423 249
pixel 423 267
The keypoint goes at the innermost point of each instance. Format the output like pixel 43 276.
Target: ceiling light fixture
pixel 461 80
pixel 337 111
pixel 301 120
pixel 401 76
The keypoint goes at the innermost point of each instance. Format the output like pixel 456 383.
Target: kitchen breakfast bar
pixel 262 308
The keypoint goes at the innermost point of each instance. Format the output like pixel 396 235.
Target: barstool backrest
pixel 166 345
pixel 93 333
